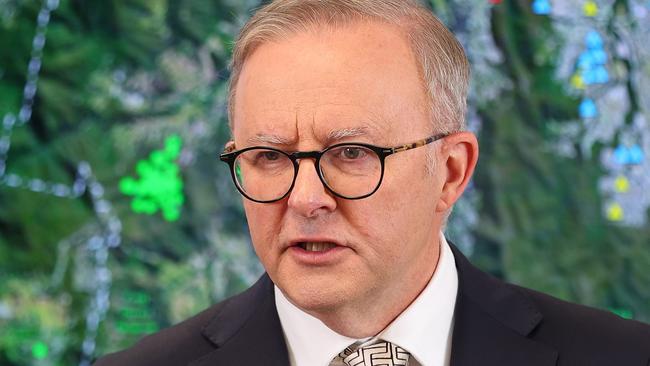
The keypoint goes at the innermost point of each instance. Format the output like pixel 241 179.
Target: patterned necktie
pixel 378 354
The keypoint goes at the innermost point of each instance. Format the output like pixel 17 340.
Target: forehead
pixel 328 82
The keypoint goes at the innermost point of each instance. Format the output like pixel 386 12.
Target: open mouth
pixel 316 246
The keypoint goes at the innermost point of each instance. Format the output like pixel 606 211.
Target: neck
pixel 371 317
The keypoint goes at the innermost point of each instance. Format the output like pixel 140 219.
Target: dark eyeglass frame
pixel 230 155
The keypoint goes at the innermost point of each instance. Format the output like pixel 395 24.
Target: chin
pixel 312 298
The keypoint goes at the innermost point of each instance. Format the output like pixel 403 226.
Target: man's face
pixel 316 89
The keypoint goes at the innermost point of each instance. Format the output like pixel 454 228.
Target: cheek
pixel 379 223
pixel 264 225
pixel 407 201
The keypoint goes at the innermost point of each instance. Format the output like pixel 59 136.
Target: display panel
pixel 117 218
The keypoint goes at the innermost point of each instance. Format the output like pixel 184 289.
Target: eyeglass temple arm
pixel 418 143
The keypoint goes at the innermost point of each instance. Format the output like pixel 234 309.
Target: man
pixel 349 148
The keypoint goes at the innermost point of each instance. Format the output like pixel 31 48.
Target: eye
pixel 270 155
pixel 352 153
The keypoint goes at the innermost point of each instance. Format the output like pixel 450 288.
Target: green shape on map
pixel 40 350
pixel 160 186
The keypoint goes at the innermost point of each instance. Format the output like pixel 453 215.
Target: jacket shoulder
pixel 179 344
pixel 579 331
pixel 176 345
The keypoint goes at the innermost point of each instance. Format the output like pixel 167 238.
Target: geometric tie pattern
pixel 379 354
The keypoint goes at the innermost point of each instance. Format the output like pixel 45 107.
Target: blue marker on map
pixel 588 109
pixel 542 7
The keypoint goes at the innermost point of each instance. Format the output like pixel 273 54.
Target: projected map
pixel 117 219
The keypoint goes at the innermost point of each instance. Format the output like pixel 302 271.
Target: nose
pixel 309 197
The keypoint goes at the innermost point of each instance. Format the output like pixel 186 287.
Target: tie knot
pixel 381 353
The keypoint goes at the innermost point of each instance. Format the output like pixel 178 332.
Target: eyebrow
pixel 269 139
pixel 332 136
pixel 342 133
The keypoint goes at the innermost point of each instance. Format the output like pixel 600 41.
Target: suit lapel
pixel 493 321
pixel 247 330
pixel 492 325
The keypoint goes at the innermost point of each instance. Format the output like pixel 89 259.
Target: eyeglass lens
pixel 350 171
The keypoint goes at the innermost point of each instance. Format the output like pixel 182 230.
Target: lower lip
pixel 324 257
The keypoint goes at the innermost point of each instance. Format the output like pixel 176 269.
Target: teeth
pixel 317 246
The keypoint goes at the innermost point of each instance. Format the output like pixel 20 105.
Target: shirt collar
pixel 423 328
pixel 309 341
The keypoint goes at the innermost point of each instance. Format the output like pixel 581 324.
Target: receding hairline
pixel 318 30
pixel 408 17
pixel 314 26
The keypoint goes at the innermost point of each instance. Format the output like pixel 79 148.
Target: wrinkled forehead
pixel 325 130
pixel 361 81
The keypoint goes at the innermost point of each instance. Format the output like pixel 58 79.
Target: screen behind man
pixel 349 148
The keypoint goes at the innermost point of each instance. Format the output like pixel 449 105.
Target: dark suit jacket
pixel 495 324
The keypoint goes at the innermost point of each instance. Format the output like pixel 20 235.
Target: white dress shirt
pixel 423 329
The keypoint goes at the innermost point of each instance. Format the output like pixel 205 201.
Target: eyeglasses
pixel 348 170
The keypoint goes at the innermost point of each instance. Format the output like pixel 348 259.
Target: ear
pixel 230 146
pixel 458 157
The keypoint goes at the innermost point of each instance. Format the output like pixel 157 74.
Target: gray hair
pixel 442 63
